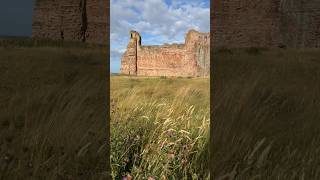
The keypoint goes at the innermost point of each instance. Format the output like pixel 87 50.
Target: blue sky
pixel 158 22
pixel 16 17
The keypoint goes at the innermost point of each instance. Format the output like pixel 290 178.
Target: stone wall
pixel 70 20
pixel 189 59
pixel 97 21
pixel 164 60
pixel 266 23
pixel 300 23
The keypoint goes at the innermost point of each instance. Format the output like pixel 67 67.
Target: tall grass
pixel 52 115
pixel 159 128
pixel 267 116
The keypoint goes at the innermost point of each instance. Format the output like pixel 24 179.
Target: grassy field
pixel 159 127
pixel 53 111
pixel 266 114
pixel 53 116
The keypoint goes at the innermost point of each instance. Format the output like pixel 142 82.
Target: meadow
pixel 159 127
pixel 266 114
pixel 53 102
pixel 53 124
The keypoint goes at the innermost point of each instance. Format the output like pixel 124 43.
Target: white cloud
pixel 116 54
pixel 155 17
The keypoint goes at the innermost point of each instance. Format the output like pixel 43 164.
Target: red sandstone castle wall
pixel 197 55
pixel 266 23
pixel 129 58
pixel 63 20
pixel 242 23
pixel 161 60
pixel 189 59
pixel 300 23
pixel 97 21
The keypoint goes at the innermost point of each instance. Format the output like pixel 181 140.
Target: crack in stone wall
pixel 84 19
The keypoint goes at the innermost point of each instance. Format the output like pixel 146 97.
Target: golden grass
pixel 159 127
pixel 52 114
pixel 267 114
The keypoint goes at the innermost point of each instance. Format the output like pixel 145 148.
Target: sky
pixel 16 17
pixel 157 21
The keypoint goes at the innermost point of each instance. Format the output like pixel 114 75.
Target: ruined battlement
pixel 189 59
pixel 71 20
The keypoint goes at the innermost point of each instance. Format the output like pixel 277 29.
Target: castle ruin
pixel 189 59
pixel 234 24
pixel 71 20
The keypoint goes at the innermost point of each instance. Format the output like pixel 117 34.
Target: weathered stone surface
pixel 189 59
pixel 266 23
pixel 71 20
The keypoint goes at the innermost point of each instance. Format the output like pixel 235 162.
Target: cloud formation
pixel 158 21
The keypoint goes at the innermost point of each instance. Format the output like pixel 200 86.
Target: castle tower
pixel 129 60
pixel 197 46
